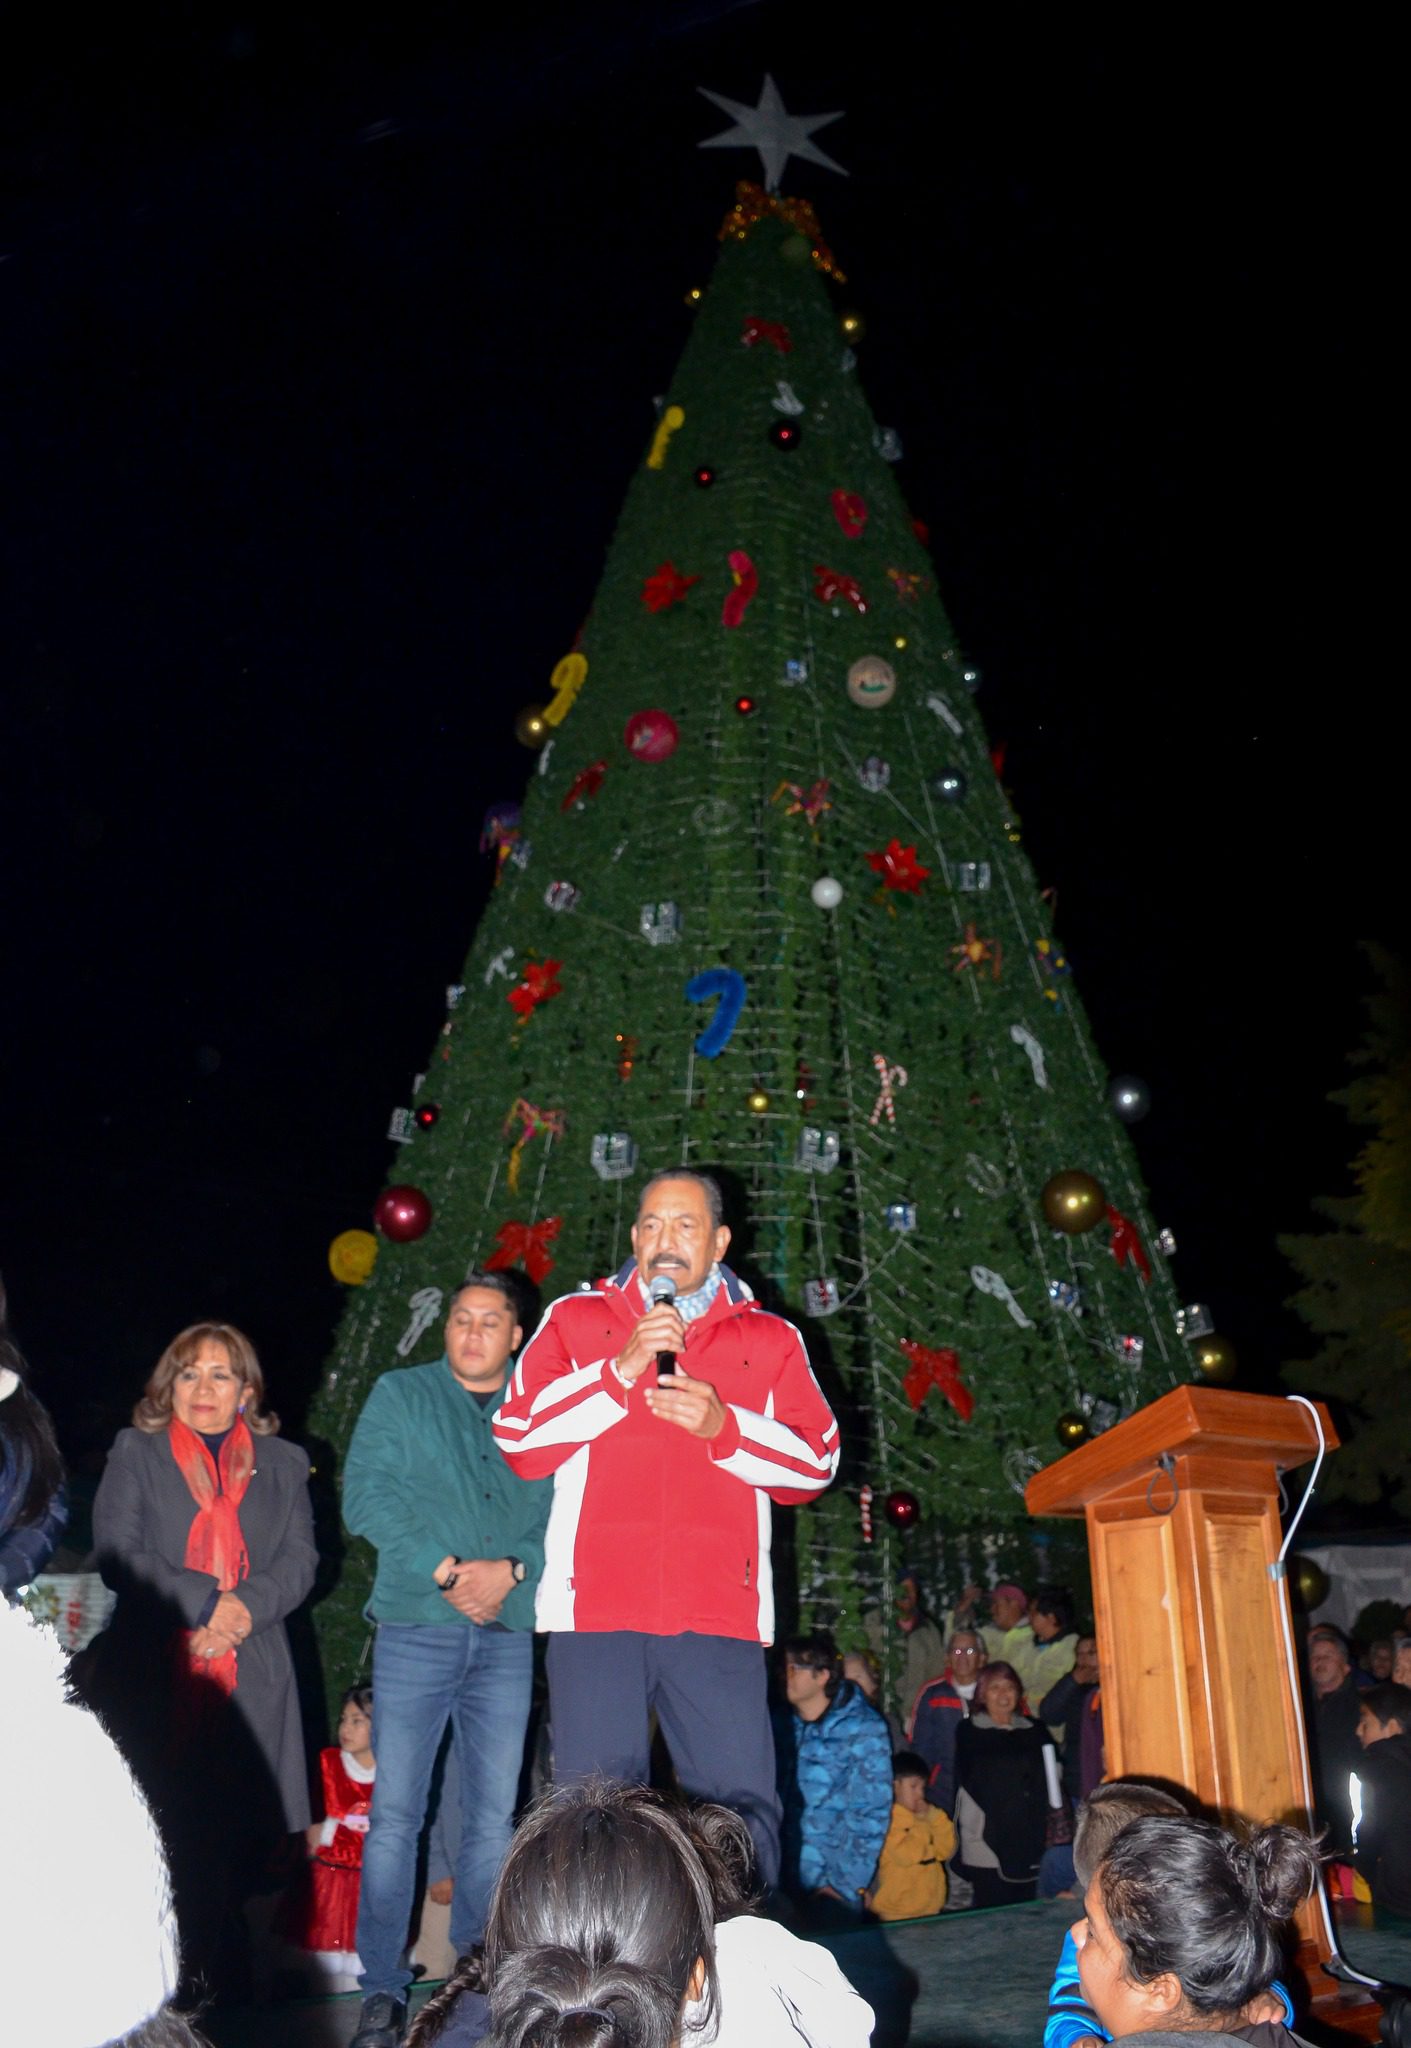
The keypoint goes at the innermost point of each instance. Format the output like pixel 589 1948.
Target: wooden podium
pixel 1182 1510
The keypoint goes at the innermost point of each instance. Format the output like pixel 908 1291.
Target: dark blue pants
pixel 710 1698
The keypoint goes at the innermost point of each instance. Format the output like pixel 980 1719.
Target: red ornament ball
pixel 651 735
pixel 403 1214
pixel 704 476
pixel 786 434
pixel 745 706
pixel 901 1508
pixel 426 1116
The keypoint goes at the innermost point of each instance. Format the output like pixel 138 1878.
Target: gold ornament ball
pixel 352 1256
pixel 531 728
pixel 758 1101
pixel 1071 1430
pixel 1073 1202
pixel 1309 1584
pixel 851 326
pixel 1215 1360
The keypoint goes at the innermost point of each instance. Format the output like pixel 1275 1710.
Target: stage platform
pixel 965 1980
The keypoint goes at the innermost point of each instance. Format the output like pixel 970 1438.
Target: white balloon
pixel 827 893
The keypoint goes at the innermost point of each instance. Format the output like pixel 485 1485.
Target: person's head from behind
pixel 1185 1922
pixel 601 1926
pixel 813 1671
pixel 864 1671
pixel 1051 1613
pixel 1106 1811
pixel 1383 1711
pixel 909 1775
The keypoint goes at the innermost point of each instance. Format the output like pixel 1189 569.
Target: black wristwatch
pixel 519 1571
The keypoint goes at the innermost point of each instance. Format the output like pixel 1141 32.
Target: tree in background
pixel 765 910
pixel 1356 1292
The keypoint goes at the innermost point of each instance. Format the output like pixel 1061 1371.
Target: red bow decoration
pixel 940 1369
pixel 1127 1243
pixel 527 1242
pixel 898 867
pixel 772 331
pixel 539 983
pixel 828 584
pixel 850 511
pixel 665 587
pixel 587 782
pixel 746 584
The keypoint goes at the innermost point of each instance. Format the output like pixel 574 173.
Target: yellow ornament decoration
pixel 1215 1360
pixel 567 680
pixel 531 728
pixel 671 419
pixel 352 1256
pixel 758 1101
pixel 1073 1202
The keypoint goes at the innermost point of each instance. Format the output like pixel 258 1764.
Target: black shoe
pixel 382 2022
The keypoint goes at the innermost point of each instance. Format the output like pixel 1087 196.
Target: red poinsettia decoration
pixel 829 584
pixel 898 867
pixel 1127 1242
pixel 929 1368
pixel 746 583
pixel 665 587
pixel 773 332
pixel 538 983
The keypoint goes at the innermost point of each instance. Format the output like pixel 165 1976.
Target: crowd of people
pixel 608 1485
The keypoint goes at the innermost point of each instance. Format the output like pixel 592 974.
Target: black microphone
pixel 663 1289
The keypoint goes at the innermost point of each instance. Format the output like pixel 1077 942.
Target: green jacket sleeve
pixel 378 1503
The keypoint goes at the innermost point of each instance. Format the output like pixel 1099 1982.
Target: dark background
pixel 327 353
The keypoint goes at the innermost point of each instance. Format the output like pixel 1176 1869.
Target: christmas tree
pixel 765 910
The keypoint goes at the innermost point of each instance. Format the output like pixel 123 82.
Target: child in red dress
pixel 323 1919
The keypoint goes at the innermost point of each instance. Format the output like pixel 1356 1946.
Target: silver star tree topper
pixel 773 131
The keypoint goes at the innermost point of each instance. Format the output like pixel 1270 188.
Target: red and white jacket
pixel 653 1529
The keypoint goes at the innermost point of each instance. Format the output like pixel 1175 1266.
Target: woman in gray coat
pixel 203 1528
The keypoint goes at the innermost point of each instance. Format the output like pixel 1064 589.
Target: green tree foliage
pixel 1356 1296
pixel 909 1067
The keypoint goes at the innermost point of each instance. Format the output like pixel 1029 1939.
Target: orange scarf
pixel 215 1542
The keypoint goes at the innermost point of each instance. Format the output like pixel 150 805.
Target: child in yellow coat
pixel 911 1873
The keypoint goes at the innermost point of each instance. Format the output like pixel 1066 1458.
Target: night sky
pixel 327 356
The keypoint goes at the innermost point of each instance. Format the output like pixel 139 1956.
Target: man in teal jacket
pixel 460 1547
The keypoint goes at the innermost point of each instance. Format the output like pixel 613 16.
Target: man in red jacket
pixel 657 1589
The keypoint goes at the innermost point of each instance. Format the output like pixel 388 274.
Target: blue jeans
pixel 480 1680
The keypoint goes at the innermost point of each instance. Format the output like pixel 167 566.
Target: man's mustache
pixel 666 1259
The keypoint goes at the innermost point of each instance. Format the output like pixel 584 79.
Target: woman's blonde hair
pixel 153 1412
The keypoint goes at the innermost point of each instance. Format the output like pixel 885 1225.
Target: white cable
pixel 1304 1402
pixel 1277 1571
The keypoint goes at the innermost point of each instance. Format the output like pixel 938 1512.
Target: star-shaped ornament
pixel 773 131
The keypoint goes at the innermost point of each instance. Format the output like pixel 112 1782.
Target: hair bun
pixel 1283 1864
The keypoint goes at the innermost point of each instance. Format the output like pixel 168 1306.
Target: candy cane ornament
pixel 888 1078
pixel 671 419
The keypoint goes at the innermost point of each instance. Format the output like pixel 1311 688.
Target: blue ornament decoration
pixel 730 987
